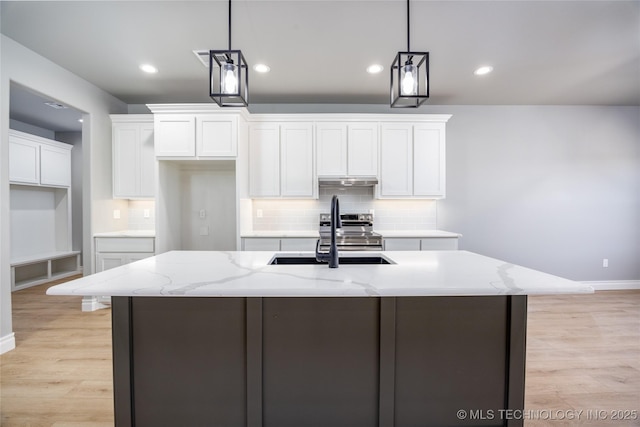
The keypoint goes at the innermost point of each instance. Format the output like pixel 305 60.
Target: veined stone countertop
pixel 247 274
pixel 417 233
pixel 282 233
pixel 127 233
pixel 385 233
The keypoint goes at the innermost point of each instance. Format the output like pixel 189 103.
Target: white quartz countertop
pixel 282 233
pixel 247 274
pixel 384 233
pixel 417 233
pixel 127 233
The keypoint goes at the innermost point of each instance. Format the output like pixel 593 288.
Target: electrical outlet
pixel 204 230
pixel 146 213
pixel 259 213
pixel 372 211
pixel 116 214
pixel 605 262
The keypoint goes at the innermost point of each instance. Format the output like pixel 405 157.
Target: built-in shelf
pixel 41 268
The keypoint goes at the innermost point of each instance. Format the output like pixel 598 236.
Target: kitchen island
pixel 226 339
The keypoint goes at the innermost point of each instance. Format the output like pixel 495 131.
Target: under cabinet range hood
pixel 347 181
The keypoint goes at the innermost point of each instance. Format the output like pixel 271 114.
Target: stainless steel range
pixel 356 233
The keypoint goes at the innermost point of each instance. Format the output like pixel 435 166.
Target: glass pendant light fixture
pixel 409 75
pixel 228 76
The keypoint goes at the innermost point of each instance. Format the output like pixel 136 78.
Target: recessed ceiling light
pixel 148 68
pixel 261 68
pixel 483 70
pixel 80 120
pixel 375 69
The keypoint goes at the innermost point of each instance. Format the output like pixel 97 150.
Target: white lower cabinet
pixel 113 252
pixel 420 244
pixel 292 244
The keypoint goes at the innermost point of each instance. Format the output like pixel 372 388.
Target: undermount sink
pixel 293 259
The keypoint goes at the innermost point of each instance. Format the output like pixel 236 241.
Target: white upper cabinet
pixel 347 149
pixel 175 135
pixel 296 160
pixel 264 160
pixel 362 156
pixel 331 140
pixel 396 177
pixel 38 161
pixel 429 160
pixel 134 162
pixel 412 160
pixel 281 160
pixel 201 136
pixel 217 136
pixel 24 160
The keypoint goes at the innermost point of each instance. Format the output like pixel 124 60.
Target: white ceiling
pixel 543 52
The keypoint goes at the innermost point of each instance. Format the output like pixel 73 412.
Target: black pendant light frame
pixel 218 59
pixel 420 61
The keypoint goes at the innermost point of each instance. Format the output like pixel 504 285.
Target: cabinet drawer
pixel 298 244
pixel 439 244
pixel 401 244
pixel 260 244
pixel 125 244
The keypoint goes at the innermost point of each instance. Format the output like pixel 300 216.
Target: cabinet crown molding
pixel 131 118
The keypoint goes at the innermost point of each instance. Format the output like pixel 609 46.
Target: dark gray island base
pixel 316 361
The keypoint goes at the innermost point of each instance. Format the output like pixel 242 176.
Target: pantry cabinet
pixel 134 162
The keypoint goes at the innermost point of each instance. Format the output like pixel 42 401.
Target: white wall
pixel 25 67
pixel 551 188
pixel 75 139
pixel 555 188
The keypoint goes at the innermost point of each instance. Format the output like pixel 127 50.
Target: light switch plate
pixel 116 214
pixel 146 213
pixel 203 213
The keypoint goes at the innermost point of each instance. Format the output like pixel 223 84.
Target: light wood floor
pixel 583 353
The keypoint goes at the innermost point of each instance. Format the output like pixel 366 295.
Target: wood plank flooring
pixel 583 353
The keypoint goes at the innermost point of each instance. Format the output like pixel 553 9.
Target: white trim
pixel 7 343
pixel 94 303
pixel 613 285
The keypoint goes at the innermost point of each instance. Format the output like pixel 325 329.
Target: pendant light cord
pixel 408 27
pixel 230 24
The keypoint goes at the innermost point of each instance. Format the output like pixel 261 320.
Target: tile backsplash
pixel 288 214
pixel 137 220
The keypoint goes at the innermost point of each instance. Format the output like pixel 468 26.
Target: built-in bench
pixel 36 269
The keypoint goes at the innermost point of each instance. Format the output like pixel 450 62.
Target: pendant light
pixel 228 76
pixel 409 76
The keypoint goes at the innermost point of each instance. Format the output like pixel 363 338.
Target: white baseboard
pixel 613 285
pixel 95 303
pixel 7 343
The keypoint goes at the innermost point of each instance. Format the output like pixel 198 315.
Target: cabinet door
pixel 296 161
pixel 217 136
pixel 264 160
pixel 331 149
pixel 147 162
pixel 24 161
pixel 396 175
pixel 55 166
pixel 401 244
pixel 363 149
pixel 260 244
pixel 108 261
pixel 298 244
pixel 429 160
pixel 126 153
pixel 175 135
pixel 439 244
